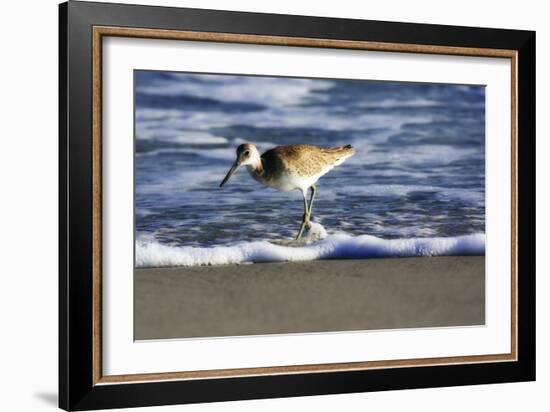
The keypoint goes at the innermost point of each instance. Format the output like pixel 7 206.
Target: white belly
pixel 288 182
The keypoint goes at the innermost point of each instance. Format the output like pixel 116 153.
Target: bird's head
pixel 247 155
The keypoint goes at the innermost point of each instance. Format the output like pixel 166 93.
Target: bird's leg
pixel 313 192
pixel 305 218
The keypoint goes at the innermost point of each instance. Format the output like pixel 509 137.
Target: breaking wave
pixel 150 253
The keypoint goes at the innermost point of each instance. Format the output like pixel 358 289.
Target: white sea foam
pixel 389 103
pixel 199 138
pixel 421 154
pixel 442 193
pixel 150 253
pixel 285 116
pixel 266 91
pixel 415 103
pixel 188 137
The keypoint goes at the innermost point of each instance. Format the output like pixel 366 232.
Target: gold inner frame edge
pixel 101 31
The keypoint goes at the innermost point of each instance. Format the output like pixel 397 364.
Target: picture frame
pixel 82 383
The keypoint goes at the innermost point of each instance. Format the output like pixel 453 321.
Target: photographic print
pixel 324 206
pixel 288 205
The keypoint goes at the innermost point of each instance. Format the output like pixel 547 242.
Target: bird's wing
pixel 303 160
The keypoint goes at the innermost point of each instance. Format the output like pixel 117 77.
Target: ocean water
pixel 415 187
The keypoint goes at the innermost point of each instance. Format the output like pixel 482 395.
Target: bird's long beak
pixel 230 173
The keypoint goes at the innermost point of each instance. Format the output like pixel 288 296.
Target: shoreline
pixel 311 296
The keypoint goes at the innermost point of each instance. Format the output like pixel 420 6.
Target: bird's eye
pixel 246 153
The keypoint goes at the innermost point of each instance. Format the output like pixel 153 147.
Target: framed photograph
pixel 256 205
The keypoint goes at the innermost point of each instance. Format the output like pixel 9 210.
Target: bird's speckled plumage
pixel 304 160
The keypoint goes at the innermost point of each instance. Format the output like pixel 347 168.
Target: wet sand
pixel 318 296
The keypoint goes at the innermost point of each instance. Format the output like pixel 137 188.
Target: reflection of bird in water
pixel 291 167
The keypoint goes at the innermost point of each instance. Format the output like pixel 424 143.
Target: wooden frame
pixel 82 385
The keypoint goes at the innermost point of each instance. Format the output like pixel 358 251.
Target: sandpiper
pixel 290 167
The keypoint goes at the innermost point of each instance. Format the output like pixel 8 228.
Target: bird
pixel 290 167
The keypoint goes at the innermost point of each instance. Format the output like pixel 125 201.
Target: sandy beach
pixel 315 296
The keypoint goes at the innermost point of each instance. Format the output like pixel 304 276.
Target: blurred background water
pixel 419 170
